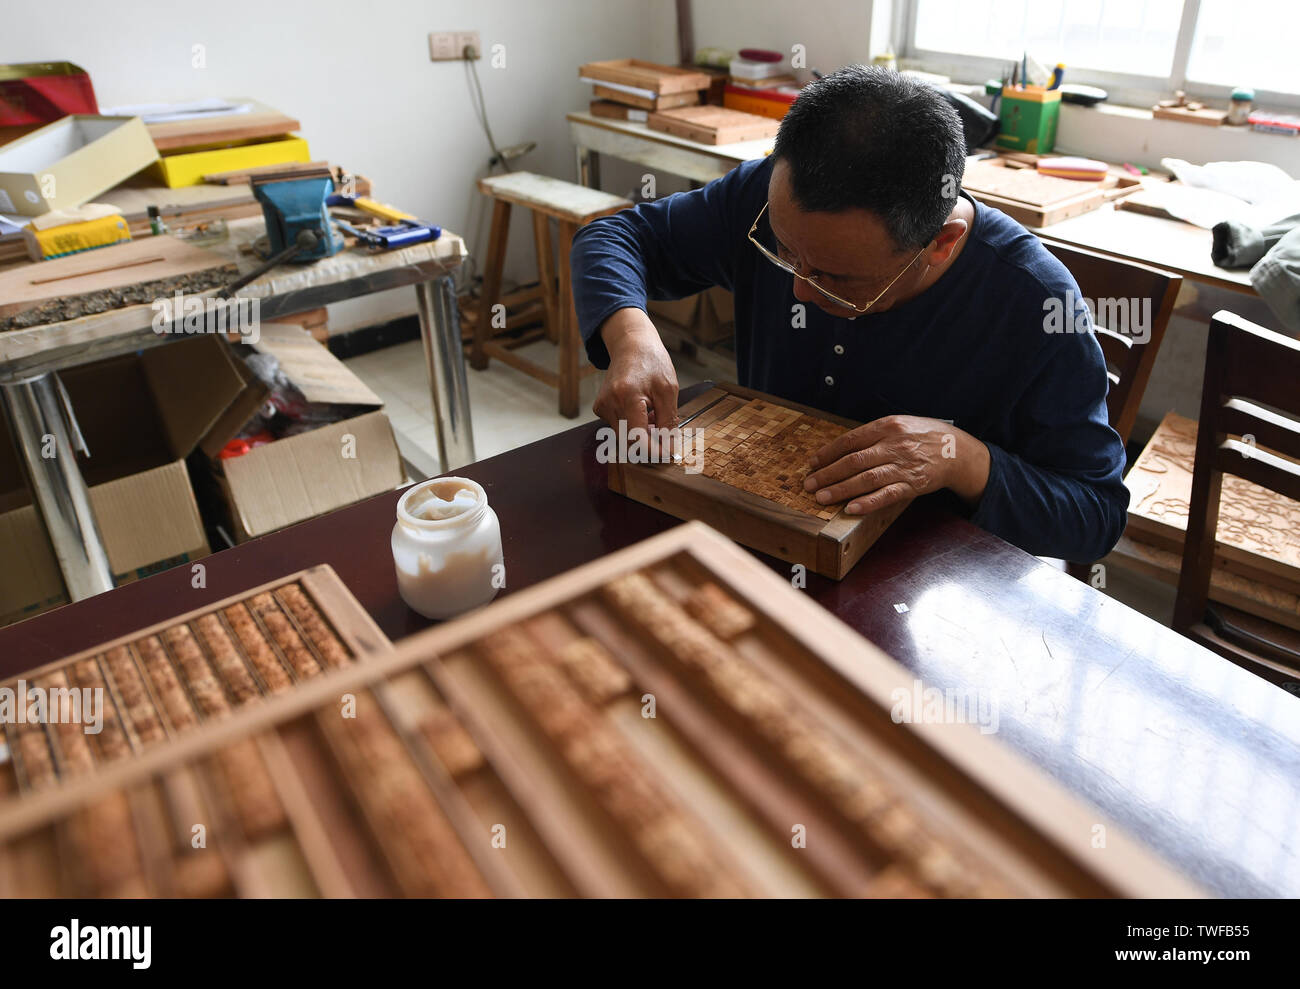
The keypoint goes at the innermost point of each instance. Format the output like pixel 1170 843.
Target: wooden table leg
pixel 496 259
pixel 570 343
pixel 546 273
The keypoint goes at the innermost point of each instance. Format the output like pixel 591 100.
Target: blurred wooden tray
pixel 672 719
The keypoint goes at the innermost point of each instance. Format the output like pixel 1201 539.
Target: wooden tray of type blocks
pixel 750 485
pixel 177 676
pixel 1015 186
pixel 510 753
pixel 1258 535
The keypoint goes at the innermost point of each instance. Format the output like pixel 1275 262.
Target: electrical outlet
pixel 449 46
pixel 468 39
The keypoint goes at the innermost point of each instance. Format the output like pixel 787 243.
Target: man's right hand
pixel 641 384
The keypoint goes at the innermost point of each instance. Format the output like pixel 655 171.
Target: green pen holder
pixel 1029 117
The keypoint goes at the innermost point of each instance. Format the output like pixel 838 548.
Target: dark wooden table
pixel 1194 756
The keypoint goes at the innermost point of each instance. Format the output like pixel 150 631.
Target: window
pixel 1133 36
pixel 1247 43
pixel 1138 49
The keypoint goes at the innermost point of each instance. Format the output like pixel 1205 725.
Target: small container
pixel 1240 106
pixel 447 547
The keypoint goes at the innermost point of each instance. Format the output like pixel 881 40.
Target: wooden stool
pixel 572 206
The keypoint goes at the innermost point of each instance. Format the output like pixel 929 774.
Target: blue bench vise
pixel 291 206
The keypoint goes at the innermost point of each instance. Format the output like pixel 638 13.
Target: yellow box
pixel 188 168
pixel 734 99
pixel 70 238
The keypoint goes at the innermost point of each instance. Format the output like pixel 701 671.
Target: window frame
pixel 1125 89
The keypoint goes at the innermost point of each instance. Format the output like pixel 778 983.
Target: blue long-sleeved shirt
pixel 974 348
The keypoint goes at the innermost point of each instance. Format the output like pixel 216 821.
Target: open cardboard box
pixel 141 415
pixel 71 161
pixel 708 317
pixel 300 477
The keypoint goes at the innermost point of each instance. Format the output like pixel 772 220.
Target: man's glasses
pixel 838 300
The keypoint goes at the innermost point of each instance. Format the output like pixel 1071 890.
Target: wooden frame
pixel 828 547
pixel 1249 392
pixel 1129 362
pixel 1004 819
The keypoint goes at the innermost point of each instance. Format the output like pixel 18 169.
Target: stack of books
pixel 761 83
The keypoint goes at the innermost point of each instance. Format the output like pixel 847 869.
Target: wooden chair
pixel 571 206
pixel 1252 389
pixel 1128 362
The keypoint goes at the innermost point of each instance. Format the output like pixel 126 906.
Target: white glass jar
pixel 447 547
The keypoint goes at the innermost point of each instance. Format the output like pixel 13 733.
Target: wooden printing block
pixel 593 670
pixel 721 613
pixel 745 479
pixel 252 793
pixel 451 743
pixel 895 883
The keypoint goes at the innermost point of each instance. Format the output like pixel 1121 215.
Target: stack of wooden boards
pixel 672 719
pixel 742 471
pixel 667 99
pixel 713 124
pixel 631 82
pixel 1012 184
pixel 1257 551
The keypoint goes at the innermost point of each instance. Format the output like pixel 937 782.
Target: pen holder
pixel 1029 116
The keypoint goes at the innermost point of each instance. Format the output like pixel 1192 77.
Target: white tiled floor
pixel 507 408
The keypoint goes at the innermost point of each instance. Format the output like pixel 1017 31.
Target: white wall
pixel 833 32
pixel 358 77
pixel 1114 133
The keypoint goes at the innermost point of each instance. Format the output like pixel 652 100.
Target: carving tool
pixel 403 234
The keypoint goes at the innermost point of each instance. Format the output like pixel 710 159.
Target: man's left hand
pixel 895 459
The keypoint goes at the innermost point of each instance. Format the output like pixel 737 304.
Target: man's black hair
pixel 869 138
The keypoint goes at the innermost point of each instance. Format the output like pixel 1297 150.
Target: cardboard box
pixel 300 477
pixel 720 321
pixel 141 416
pixel 1029 117
pixel 71 161
pixel 708 317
